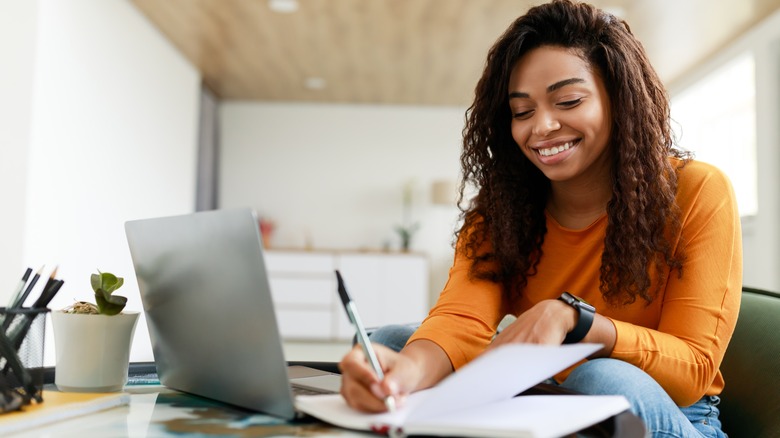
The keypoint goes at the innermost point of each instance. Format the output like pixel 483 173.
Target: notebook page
pixel 333 409
pixel 538 416
pixel 499 374
pixel 495 376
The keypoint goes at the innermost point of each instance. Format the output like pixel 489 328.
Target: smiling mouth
pixel 555 150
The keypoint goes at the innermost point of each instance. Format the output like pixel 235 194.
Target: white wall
pixel 113 138
pixel 760 234
pixel 332 175
pixel 18 29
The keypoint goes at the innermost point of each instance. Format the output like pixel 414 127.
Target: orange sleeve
pixel 465 317
pixel 699 309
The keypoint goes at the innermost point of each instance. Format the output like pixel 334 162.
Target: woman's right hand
pixel 361 387
pixel 421 364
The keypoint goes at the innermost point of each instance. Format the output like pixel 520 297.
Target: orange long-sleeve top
pixel 679 338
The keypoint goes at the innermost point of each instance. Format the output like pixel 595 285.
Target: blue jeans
pixel 662 417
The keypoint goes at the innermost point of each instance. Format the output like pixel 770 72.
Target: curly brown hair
pixel 508 210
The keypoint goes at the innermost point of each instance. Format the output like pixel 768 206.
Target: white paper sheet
pixel 496 376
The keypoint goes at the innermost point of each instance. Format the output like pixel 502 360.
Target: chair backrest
pixel 750 404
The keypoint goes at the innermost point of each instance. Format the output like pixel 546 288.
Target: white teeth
pixel 555 150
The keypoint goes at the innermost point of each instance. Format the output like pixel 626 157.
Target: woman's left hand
pixel 547 322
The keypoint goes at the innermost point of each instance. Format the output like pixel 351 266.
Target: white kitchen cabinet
pixel 387 288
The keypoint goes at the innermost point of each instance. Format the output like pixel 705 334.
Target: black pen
pixel 20 301
pixel 48 294
pixel 19 287
pixel 51 280
pixel 362 337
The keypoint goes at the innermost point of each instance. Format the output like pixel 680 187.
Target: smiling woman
pixel 561 122
pixel 589 225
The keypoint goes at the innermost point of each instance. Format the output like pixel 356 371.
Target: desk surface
pixel 156 411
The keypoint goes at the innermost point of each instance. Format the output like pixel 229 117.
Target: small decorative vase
pixel 93 351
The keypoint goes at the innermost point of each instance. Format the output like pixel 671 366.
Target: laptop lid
pixel 208 308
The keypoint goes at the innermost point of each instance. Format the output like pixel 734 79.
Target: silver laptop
pixel 209 311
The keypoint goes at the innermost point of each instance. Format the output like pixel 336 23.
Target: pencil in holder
pixel 21 353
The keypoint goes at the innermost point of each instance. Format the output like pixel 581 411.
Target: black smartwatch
pixel 585 320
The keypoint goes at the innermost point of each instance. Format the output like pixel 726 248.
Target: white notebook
pixel 479 400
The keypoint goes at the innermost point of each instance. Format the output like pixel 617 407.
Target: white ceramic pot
pixel 93 351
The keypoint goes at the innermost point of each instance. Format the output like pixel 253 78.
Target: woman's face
pixel 560 114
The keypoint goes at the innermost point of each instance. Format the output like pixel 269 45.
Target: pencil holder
pixel 21 353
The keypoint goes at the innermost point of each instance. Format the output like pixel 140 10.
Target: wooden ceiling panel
pixel 415 52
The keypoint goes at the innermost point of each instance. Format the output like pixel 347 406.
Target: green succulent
pixel 104 284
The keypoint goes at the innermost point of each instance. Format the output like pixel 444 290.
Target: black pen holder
pixel 21 353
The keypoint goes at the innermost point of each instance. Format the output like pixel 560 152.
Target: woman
pixel 581 195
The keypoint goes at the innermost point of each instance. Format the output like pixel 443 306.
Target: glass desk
pixel 157 411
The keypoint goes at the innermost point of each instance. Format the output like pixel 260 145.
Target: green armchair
pixel 750 404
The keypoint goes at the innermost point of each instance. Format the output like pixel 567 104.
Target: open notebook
pixel 479 400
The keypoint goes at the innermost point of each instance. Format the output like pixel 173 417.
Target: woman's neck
pixel 577 206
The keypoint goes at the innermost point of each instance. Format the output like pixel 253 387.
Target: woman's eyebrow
pixel 563 83
pixel 556 86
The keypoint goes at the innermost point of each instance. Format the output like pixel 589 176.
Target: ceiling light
pixel 283 6
pixel 315 83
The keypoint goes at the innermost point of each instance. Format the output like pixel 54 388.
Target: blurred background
pixel 339 121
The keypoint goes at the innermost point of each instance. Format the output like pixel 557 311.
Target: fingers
pixel 544 323
pixel 355 366
pixel 360 397
pixel 360 385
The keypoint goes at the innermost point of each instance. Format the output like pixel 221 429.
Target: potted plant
pixel 92 341
pixel 407 228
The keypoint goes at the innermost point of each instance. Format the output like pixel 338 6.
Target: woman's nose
pixel 545 124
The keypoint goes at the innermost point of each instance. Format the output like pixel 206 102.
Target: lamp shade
pixel 444 192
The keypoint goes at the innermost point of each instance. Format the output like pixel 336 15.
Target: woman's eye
pixel 570 103
pixel 522 115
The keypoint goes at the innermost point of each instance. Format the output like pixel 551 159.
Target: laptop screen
pixel 209 310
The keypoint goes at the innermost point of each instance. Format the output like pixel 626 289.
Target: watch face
pixel 576 301
pixel 569 299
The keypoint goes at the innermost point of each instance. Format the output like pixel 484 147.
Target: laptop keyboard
pixel 300 390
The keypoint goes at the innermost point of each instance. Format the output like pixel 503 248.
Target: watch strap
pixel 586 314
